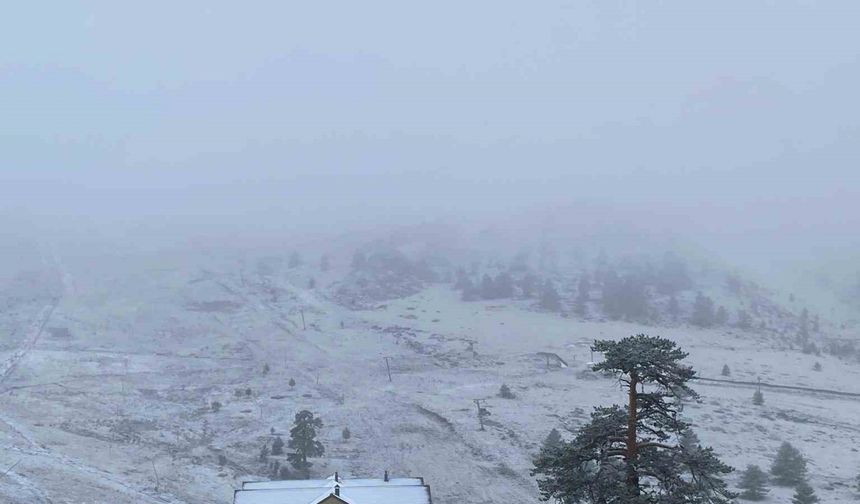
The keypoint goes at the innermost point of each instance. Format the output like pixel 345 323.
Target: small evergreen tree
pixel 758 398
pixel 552 440
pixel 726 371
pixel 278 446
pixel 722 316
pixel 292 382
pixel 753 483
pixel 789 466
pixel 505 392
pixel 703 311
pixel 303 441
pixel 264 453
pixel 216 406
pixel 266 368
pixel 345 434
pixel 804 494
pixel 549 299
pixel 324 263
pixel 816 366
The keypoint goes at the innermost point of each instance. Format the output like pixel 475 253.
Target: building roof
pixel 350 491
pixel 329 483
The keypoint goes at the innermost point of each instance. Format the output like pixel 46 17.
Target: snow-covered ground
pixel 118 411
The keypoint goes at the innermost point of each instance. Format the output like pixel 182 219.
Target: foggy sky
pixel 735 119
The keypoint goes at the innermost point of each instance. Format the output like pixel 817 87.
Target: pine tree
pixel 549 299
pixel 816 366
pixel 264 453
pixel 325 264
pixel 753 483
pixel 804 494
pixel 505 392
pixel 612 455
pixel 722 316
pixel 758 398
pixel 303 441
pixel 346 434
pixel 789 466
pixel 553 440
pixel 703 311
pixel 292 382
pixel 278 446
pixel 726 371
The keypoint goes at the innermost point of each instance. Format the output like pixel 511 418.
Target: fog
pixel 736 120
pixel 399 216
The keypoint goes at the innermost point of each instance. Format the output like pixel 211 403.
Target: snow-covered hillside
pixel 107 384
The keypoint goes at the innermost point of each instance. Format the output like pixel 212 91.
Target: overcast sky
pixel 735 117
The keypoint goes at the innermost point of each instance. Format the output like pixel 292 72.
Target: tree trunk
pixel 632 448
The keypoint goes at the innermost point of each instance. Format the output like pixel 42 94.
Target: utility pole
pixel 388 367
pixel 480 414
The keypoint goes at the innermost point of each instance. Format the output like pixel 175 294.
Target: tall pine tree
pixel 628 454
pixel 303 441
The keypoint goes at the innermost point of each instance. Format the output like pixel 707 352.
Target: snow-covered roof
pixel 329 483
pixel 351 491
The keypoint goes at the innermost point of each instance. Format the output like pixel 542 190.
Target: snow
pixel 330 483
pixel 120 412
pixel 396 494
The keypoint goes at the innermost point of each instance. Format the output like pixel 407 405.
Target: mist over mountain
pixel 424 236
